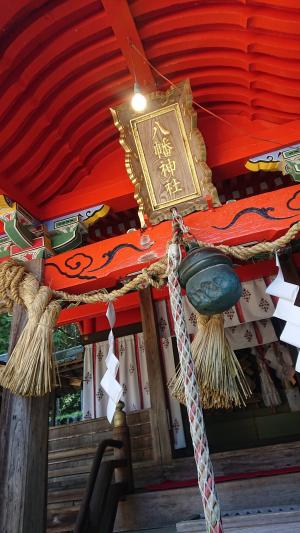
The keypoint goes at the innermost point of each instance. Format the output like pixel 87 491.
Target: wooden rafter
pixel 126 33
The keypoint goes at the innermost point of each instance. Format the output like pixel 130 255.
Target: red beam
pixel 87 311
pixel 259 218
pixel 128 307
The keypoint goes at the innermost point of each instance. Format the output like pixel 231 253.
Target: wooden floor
pixel 161 530
pixel 71 450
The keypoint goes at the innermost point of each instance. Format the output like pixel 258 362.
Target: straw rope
pixel 218 372
pixel 30 370
pixel 155 275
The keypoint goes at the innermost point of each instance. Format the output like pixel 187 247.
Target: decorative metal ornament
pixel 165 154
pixel 286 160
pixel 211 284
pixel 290 163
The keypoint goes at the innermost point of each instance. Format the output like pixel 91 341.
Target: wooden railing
pixel 108 480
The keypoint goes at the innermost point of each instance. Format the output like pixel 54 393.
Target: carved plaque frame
pixel 165 154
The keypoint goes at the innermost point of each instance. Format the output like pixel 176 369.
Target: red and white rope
pixel 197 428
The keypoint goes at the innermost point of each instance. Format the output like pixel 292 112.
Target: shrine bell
pixel 211 284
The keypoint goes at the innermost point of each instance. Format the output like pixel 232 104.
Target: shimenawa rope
pixel 30 370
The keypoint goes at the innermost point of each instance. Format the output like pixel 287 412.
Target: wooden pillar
pixel 159 415
pixel 23 449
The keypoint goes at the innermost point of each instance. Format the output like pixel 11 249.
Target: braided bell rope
pixel 206 480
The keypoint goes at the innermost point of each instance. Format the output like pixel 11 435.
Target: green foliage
pixel 70 403
pixel 66 337
pixel 5 322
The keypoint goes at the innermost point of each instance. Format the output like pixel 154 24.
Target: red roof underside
pixel 65 62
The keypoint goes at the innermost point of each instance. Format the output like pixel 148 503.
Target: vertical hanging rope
pixel 30 370
pixel 201 451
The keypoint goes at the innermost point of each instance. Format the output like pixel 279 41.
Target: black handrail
pixel 115 492
pixel 99 470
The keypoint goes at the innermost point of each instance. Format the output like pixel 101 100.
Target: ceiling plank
pixel 126 33
pixel 226 159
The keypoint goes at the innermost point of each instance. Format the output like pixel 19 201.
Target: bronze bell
pixel 211 284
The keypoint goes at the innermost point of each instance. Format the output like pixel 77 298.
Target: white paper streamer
pixel 288 312
pixel 281 288
pixel 297 367
pixel 109 382
pixel 291 334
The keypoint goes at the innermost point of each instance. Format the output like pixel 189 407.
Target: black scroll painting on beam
pixel 79 265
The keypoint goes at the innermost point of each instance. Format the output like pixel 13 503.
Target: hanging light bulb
pixel 138 101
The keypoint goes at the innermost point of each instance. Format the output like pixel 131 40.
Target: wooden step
pixel 66 472
pixel 77 481
pixel 173 506
pixel 74 495
pixel 282 522
pixel 62 519
pixel 71 442
pixel 59 529
pixel 60 455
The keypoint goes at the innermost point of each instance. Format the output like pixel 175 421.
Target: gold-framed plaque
pixel 165 154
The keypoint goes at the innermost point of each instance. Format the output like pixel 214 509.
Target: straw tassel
pixel 30 370
pixel 220 377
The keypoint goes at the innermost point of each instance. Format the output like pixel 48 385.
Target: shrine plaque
pixel 165 154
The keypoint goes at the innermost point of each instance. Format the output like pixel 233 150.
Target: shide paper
pixel 286 309
pixel 109 382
